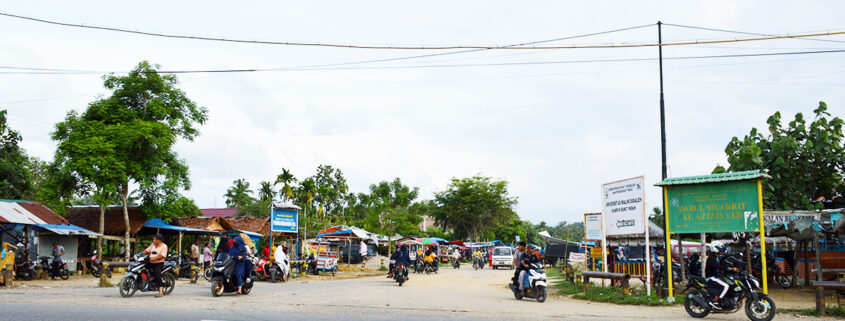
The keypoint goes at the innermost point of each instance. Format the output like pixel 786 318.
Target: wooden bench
pixel 821 286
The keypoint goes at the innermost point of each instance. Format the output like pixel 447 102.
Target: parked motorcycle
pixel 268 270
pixel 222 278
pixel 24 267
pixel 743 286
pixel 399 271
pixel 537 285
pixel 660 273
pixel 783 279
pixel 62 271
pixel 187 269
pixel 138 277
pixel 97 267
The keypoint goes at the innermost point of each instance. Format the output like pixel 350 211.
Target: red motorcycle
pixel 266 269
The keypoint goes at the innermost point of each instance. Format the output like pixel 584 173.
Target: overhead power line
pixel 745 33
pixel 27 70
pixel 524 46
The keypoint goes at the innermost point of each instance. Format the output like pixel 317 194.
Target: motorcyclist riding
pixel 517 259
pixel 716 269
pixel 525 266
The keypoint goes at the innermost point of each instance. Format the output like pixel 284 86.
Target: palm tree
pixel 286 178
pixel 266 192
pixel 239 194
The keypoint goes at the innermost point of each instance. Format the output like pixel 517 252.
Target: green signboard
pixel 713 207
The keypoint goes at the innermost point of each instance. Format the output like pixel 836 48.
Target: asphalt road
pixel 452 294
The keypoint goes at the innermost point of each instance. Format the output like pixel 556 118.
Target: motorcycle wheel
pixel 217 288
pixel 693 309
pixel 274 277
pixel 246 289
pixel 784 281
pixel 541 294
pixel 64 274
pixel 95 274
pixel 334 271
pixel 762 310
pixel 517 294
pixel 28 275
pixel 207 274
pixel 108 273
pixel 127 286
pixel 169 283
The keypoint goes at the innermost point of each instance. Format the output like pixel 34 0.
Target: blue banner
pixel 284 220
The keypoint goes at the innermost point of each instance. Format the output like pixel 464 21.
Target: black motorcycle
pixel 456 263
pixel 399 271
pixel 658 279
pixel 222 278
pixel 24 267
pixel 742 286
pixel 61 270
pixel 97 267
pixel 187 269
pixel 138 277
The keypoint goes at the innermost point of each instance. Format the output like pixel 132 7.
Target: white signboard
pixel 577 257
pixel 592 227
pixel 623 207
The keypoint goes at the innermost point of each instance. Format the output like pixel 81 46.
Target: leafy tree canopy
pixel 473 206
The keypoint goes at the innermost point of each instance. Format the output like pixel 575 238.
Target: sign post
pixel 623 213
pixel 285 218
pixel 720 203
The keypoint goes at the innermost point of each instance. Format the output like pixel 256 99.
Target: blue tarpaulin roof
pixel 158 223
pixel 67 229
pixel 252 235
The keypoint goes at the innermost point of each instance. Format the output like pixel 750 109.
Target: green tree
pixel 806 161
pixel 287 180
pixel 656 216
pixel 266 192
pixel 473 206
pixel 389 208
pixel 239 195
pixel 141 120
pixel 15 176
pixel 330 190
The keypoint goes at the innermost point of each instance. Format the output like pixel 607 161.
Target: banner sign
pixel 284 220
pixel 577 257
pixel 770 217
pixel 713 207
pixel 592 227
pixel 623 207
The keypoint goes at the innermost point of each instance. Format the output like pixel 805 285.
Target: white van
pixel 502 256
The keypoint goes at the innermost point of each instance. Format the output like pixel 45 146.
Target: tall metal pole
pixel 667 254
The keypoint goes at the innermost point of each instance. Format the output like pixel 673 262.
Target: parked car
pixel 502 257
pixel 356 255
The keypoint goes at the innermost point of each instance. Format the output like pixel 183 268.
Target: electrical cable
pixel 744 33
pixel 71 72
pixel 418 47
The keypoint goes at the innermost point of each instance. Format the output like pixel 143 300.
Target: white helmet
pixel 717 246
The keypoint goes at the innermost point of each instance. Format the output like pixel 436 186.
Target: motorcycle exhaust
pixel 699 301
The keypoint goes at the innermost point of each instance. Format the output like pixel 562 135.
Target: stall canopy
pixel 159 225
pixel 68 229
pixel 344 232
pixel 252 235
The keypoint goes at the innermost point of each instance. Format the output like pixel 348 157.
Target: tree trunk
pixel 100 238
pixel 124 193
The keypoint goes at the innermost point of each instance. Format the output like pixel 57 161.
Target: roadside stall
pixel 326 256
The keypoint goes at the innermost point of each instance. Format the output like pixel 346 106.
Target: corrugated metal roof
pixel 67 229
pixel 13 212
pixel 714 178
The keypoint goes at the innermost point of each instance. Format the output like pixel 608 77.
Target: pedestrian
pixel 206 256
pixel 157 252
pixel 362 249
pixel 195 252
pixel 58 251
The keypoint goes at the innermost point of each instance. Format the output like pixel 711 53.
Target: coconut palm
pixel 286 178
pixel 266 192
pixel 239 194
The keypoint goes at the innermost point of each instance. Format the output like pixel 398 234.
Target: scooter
pixel 399 271
pixel 268 270
pixel 97 267
pixel 537 284
pixel 63 271
pixel 222 278
pixel 138 277
pixel 456 263
pixel 419 266
pixel 24 267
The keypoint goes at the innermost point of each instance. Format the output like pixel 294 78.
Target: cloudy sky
pixel 553 125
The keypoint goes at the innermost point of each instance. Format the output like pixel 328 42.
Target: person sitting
pixel 527 261
pixel 403 259
pixel 716 269
pixel 429 259
pixel 393 259
pixel 238 254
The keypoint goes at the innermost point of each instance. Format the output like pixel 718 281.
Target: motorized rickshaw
pixel 326 255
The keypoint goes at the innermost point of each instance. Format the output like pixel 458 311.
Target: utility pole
pixel 667 254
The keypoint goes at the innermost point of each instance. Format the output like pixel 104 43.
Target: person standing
pixel 157 252
pixel 195 252
pixel 206 256
pixel 362 249
pixel 58 251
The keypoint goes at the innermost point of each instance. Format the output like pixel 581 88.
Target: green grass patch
pixel 830 311
pixel 605 294
pixel 383 269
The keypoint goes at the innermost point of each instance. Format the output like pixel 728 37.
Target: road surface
pixel 452 294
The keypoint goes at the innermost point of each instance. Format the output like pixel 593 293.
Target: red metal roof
pixel 219 212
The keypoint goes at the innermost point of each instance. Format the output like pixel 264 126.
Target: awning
pixel 67 229
pixel 159 224
pixel 349 233
pixel 252 235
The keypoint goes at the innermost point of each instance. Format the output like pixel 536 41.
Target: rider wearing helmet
pixel 716 269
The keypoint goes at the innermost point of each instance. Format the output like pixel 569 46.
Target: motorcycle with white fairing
pixel 536 286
